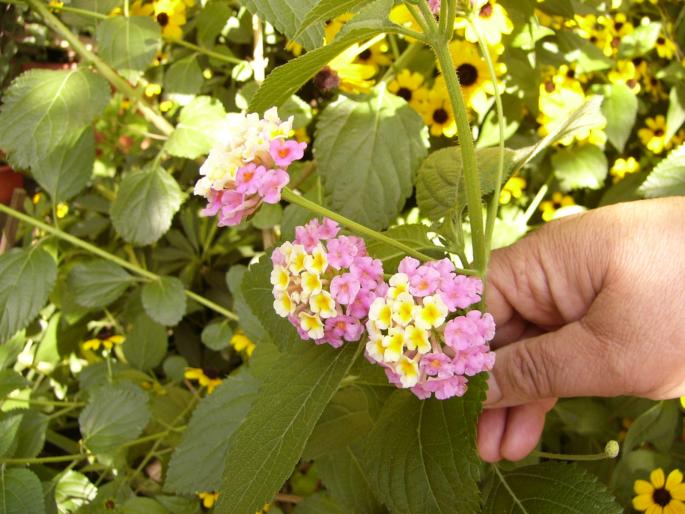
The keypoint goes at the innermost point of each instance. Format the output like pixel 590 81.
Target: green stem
pixel 112 76
pixel 153 437
pixel 112 258
pixel 419 20
pixel 509 489
pixel 44 460
pixel 291 197
pixel 533 207
pixel 210 53
pixel 404 59
pixel 570 457
pixel 82 12
pixel 48 403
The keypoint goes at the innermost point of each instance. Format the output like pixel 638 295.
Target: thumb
pixel 564 363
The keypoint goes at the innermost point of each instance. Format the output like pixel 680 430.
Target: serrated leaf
pixel 210 21
pixel 414 236
pixel 115 414
pixel 217 336
pixel 97 283
pixel 98 6
pixel 31 434
pixel 129 43
pixel 20 492
pixel 550 488
pixel 640 41
pixel 668 177
pixel 146 344
pixel 10 381
pixel 198 126
pixel 656 425
pixel 73 490
pixel 366 175
pixel 145 205
pixel 44 110
pixel 184 76
pixel 676 110
pixel 262 454
pixel 421 455
pixel 198 462
pixel 620 110
pixel 26 278
pixel 319 503
pixel 287 16
pixel 581 167
pixel 164 300
pixel 9 431
pixel 327 10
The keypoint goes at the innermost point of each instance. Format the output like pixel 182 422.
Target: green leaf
pixel 266 447
pixel 580 167
pixel 165 300
pixel 640 41
pixel 98 283
pixel 249 323
pixel 319 503
pixel 98 6
pixel 145 205
pixel 184 76
pixel 26 278
pixel 676 110
pixel 217 336
pixel 550 488
pixel 421 455
pixel 287 16
pixel 327 10
pixel 198 125
pixel 626 190
pixel 45 110
pixel 210 22
pixel 146 345
pixel 115 414
pixel 9 430
pixel 286 80
pixel 73 490
pixel 667 178
pixel 129 43
pixel 198 462
pixel 620 110
pixel 65 172
pixel 585 55
pixel 414 236
pixel 142 505
pixel 366 175
pixel 10 381
pixel 20 492
pixel 656 425
pixel 31 434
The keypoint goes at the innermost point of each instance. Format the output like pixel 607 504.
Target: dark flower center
pixel 593 39
pixel 211 373
pixel 631 83
pixel 660 41
pixel 571 74
pixel 163 19
pixel 440 116
pixel 405 93
pixel 615 42
pixel 365 55
pixel 486 10
pixel 549 86
pixel 105 334
pixel 618 25
pixel 110 505
pixel 659 132
pixel 661 497
pixel 327 79
pixel 468 74
pixel 637 61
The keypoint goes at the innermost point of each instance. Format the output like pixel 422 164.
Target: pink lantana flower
pixel 285 151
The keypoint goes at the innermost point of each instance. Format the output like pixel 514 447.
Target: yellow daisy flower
pixel 240 342
pixel 335 25
pixel 665 47
pixel 623 167
pixel 437 113
pixel 205 377
pixel 105 339
pixel 472 71
pixel 170 14
pixel 348 75
pixel 513 188
pixel 208 499
pixel 550 207
pixel 492 21
pixel 409 85
pixel 626 73
pixel 653 136
pixel 661 495
pixel 376 56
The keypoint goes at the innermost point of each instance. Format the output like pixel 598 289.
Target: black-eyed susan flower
pixel 376 55
pixel 437 113
pixel 653 134
pixel 472 71
pixel 335 25
pixel 549 208
pixel 623 167
pixel 105 339
pixel 665 47
pixel 409 85
pixel 625 73
pixel 241 343
pixel 661 495
pixel 207 377
pixel 513 188
pixel 208 499
pixel 169 14
pixel 492 21
pixel 349 75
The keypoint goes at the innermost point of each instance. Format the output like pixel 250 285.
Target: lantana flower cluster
pixel 411 337
pixel 248 165
pixel 325 283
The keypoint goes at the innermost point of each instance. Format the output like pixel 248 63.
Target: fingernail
pixel 494 393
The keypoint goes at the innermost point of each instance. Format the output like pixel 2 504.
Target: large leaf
pixel 20 492
pixel 45 110
pixel 620 110
pixel 26 279
pixel 580 167
pixel 129 43
pixel 198 462
pixel 656 425
pixel 266 447
pixel 287 16
pixel 97 283
pixel 367 176
pixel 198 126
pixel 146 344
pixel 319 503
pixel 184 76
pixel 550 488
pixel 668 177
pixel 145 204
pixel 421 455
pixel 115 414
pixel 165 300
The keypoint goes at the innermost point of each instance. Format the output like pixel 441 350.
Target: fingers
pixel 491 427
pixel 563 363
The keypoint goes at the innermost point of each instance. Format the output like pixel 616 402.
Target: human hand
pixel 590 305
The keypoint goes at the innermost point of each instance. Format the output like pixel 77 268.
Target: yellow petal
pixel 643 502
pixel 658 478
pixel 676 507
pixel 91 344
pixel 643 487
pixel 118 339
pixel 678 492
pixel 655 509
pixel 675 477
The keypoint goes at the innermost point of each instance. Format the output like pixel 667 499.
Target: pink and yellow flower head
pixel 411 337
pixel 247 166
pixel 324 283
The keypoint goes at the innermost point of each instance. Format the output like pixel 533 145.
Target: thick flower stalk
pixel 411 337
pixel 247 166
pixel 324 283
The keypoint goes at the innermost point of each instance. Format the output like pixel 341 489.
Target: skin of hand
pixel 590 305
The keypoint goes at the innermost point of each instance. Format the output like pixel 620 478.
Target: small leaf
pixel 217 336
pixel 676 110
pixel 20 492
pixel 73 491
pixel 287 16
pixel 580 167
pixel 145 205
pixel 10 381
pixel 668 177
pixel 262 454
pixel 656 425
pixel 184 76
pixel 26 278
pixel 9 432
pixel 146 345
pixel 115 414
pixel 198 462
pixel 98 283
pixel 249 323
pixel 620 110
pixel 198 125
pixel 164 300
pixel 366 175
pixel 327 10
pixel 32 432
pixel 129 43
pixel 640 41
pixel 550 488
pixel 210 22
